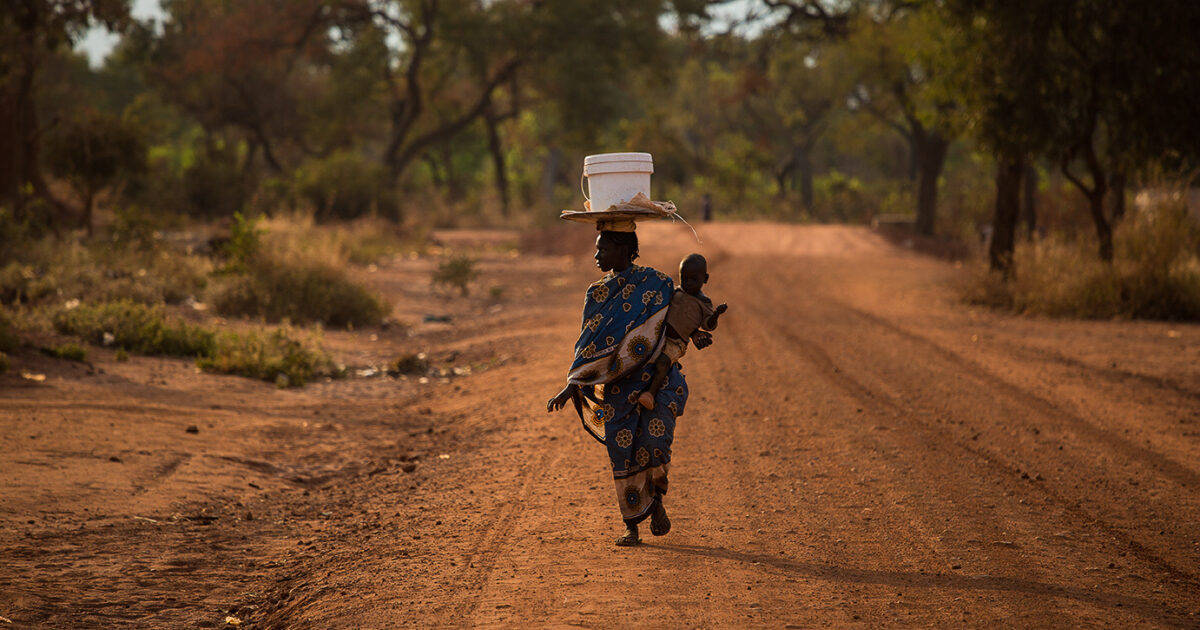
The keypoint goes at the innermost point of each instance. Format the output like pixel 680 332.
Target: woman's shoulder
pixel 650 272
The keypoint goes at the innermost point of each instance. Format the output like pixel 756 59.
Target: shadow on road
pixel 1150 609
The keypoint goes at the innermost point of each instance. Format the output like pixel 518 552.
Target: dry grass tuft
pixel 1155 273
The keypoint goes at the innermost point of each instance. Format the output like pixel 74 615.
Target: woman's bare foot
pixel 659 523
pixel 646 400
pixel 630 538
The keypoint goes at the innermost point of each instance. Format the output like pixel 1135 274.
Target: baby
pixel 690 310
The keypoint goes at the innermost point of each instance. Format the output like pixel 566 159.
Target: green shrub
pixel 69 351
pixel 456 271
pixel 215 184
pixel 135 327
pixel 271 356
pixel 244 244
pixel 1154 275
pixel 144 329
pixel 277 291
pixel 345 185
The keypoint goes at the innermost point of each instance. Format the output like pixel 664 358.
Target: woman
pixel 623 329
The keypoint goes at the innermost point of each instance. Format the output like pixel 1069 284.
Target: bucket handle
pixel 582 189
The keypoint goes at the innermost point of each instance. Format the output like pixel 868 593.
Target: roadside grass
pixel 457 271
pixel 68 351
pixel 291 275
pixel 52 270
pixel 278 355
pixel 1155 273
pixel 135 327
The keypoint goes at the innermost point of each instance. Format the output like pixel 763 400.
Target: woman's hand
pixel 556 403
pixel 702 339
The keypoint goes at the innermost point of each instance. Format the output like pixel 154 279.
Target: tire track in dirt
pixel 1168 467
pixel 481 561
pixel 905 414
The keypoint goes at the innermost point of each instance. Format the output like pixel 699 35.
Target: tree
pixel 790 91
pixel 94 152
pixel 900 53
pixel 1075 81
pixel 31 31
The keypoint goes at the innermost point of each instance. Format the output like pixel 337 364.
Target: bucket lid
pixel 601 158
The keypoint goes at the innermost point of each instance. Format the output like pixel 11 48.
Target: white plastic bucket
pixel 614 178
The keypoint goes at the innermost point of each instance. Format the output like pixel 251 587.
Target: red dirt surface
pixel 860 449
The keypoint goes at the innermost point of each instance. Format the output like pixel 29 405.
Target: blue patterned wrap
pixel 624 322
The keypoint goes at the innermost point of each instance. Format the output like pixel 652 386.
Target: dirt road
pixel 859 449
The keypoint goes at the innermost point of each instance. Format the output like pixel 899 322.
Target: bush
pixel 276 291
pixel 8 336
pixel 457 271
pixel 69 351
pixel 136 328
pixel 273 356
pixel 345 185
pixel 215 184
pixel 147 330
pixel 1155 273
pixel 409 364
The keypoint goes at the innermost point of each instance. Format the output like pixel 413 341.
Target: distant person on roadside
pixel 624 323
pixel 706 207
pixel 690 311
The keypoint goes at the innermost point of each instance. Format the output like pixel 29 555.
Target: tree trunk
pixel 913 152
pixel 26 176
pixel 1008 206
pixel 497 151
pixel 805 170
pixel 1103 227
pixel 1029 199
pixel 931 157
pixel 89 221
pixel 1118 196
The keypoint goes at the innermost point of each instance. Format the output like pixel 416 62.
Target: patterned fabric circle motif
pixel 624 438
pixel 639 347
pixel 632 497
pixel 600 293
pixel 643 456
pixel 657 428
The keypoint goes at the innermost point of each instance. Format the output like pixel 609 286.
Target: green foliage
pixel 132 327
pixel 271 356
pixel 345 185
pixel 300 293
pixel 216 184
pixel 69 351
pixel 50 270
pixel 457 271
pixel 244 244
pixel 136 328
pixel 95 151
pixel 1155 274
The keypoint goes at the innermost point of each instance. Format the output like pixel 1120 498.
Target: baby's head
pixel 693 273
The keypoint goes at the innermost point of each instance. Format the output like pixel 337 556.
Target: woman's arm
pixel 556 403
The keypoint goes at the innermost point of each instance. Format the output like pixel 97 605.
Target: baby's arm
pixel 711 322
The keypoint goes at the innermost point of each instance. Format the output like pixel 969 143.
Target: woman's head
pixel 616 250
